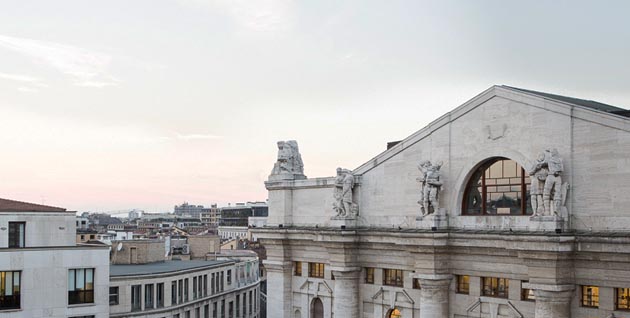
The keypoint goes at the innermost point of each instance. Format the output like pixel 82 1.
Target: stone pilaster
pixel 434 295
pixel 346 296
pixel 279 292
pixel 553 301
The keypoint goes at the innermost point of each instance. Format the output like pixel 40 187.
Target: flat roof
pixel 162 267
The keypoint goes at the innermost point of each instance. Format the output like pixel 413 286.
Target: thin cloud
pixel 84 66
pixel 260 16
pixel 19 78
pixel 198 137
pixel 25 89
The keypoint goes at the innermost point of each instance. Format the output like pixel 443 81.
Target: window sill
pixel 81 305
pixel 8 310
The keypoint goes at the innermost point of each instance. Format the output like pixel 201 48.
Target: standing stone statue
pixel 430 184
pixel 289 163
pixel 548 168
pixel 538 174
pixel 344 205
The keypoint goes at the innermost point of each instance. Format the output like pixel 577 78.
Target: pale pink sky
pixel 116 105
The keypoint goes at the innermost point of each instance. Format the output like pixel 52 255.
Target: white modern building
pixel 514 204
pixel 43 272
pixel 186 289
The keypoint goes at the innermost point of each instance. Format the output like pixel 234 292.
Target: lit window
pixel 369 275
pixel 298 268
pixel 10 290
pixel 623 298
pixel 495 287
pixel 80 286
pixel 393 277
pixel 590 296
pixel 316 270
pixel 498 187
pixel 394 313
pixel 463 284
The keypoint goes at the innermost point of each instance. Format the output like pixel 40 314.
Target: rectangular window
pixel 215 310
pixel 527 294
pixel 199 286
pixel 180 291
pixel 369 275
pixel 187 314
pixel 238 298
pixel 148 296
pixel 495 287
pixel 206 311
pixel 159 295
pixel 186 290
pixel 221 280
pixel 255 298
pixel 230 310
pixel 244 303
pixel 316 270
pixel 297 270
pixel 174 292
pixel 250 302
pixel 393 277
pixel 212 284
pixel 416 283
pixel 113 296
pixel 590 296
pixel 16 234
pixel 198 312
pixel 222 307
pixel 10 290
pixel 195 287
pixel 463 284
pixel 623 298
pixel 229 277
pixel 81 286
pixel 205 285
pixel 135 297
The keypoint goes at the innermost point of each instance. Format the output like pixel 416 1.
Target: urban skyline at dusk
pixel 164 102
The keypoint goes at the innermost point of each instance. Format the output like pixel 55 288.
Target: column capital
pixel 346 273
pixel 277 266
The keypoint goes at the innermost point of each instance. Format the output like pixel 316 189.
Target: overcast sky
pixel 111 105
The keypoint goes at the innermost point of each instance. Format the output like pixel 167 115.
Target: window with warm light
pixel 297 268
pixel 416 283
pixel 316 270
pixel 463 284
pixel 623 298
pixel 369 275
pixel 393 277
pixel 394 313
pixel 527 294
pixel 495 287
pixel 590 296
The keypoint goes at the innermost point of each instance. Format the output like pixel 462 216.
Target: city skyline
pixel 106 109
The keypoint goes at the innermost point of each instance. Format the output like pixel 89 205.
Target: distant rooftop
pixel 19 206
pixel 577 101
pixel 161 267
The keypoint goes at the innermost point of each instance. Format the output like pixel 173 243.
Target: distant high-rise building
pixel 191 209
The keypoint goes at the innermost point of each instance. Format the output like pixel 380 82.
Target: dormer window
pixel 498 187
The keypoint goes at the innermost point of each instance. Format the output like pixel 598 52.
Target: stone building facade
pixel 185 289
pixel 43 271
pixel 514 204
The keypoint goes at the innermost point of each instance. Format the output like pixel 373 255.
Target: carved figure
pixel 344 204
pixel 430 184
pixel 289 159
pixel 538 174
pixel 547 187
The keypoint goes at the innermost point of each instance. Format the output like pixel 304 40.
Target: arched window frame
pixel 524 183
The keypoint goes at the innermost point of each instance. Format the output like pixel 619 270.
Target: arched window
pixel 394 313
pixel 499 186
pixel 297 314
pixel 317 308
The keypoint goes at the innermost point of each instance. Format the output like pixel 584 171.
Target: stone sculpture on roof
pixel 289 162
pixel 344 204
pixel 548 193
pixel 430 184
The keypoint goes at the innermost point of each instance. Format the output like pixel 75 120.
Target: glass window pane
pixel 71 276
